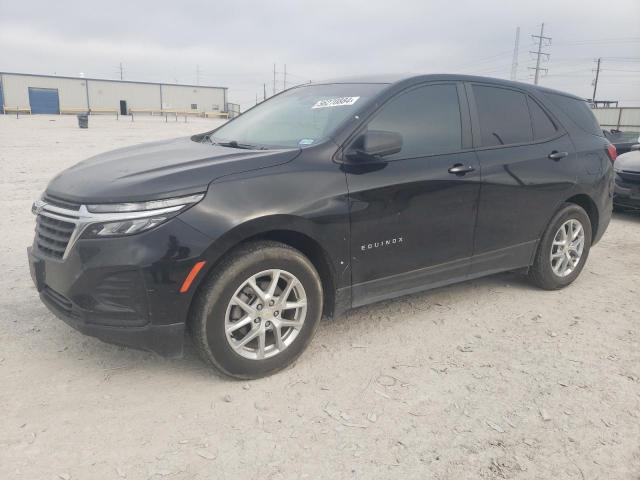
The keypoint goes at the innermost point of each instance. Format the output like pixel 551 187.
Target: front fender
pixel 310 200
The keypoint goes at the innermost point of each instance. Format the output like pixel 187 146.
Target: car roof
pixel 391 79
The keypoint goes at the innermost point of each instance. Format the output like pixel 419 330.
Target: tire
pixel 214 313
pixel 542 273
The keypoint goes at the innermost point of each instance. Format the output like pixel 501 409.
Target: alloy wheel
pixel 265 314
pixel 567 248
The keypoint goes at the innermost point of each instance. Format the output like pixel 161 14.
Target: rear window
pixel 504 116
pixel 579 111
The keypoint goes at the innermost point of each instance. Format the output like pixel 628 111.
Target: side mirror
pixel 635 147
pixel 375 144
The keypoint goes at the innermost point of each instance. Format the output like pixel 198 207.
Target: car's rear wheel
pixel 563 249
pixel 258 310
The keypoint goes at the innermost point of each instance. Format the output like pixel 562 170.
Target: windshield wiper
pixel 235 144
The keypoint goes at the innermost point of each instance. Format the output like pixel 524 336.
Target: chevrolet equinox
pixel 325 197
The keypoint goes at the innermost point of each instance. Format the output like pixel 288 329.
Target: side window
pixel 504 116
pixel 543 126
pixel 428 118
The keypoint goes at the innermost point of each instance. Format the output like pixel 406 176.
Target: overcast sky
pixel 235 43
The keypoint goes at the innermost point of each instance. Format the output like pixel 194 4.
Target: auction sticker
pixel 335 102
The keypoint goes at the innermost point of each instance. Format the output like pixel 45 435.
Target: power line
pixel 539 54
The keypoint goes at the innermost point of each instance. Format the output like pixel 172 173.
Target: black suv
pixel 325 197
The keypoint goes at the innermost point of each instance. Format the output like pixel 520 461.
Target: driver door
pixel 413 212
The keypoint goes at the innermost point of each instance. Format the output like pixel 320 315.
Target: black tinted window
pixel 543 126
pixel 579 111
pixel 428 118
pixel 504 116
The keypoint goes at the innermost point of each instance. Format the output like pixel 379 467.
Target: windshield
pixel 299 117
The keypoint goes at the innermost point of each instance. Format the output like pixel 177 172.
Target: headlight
pixel 120 219
pixel 146 206
pixel 125 227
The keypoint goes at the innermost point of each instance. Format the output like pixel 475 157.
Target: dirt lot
pixel 488 379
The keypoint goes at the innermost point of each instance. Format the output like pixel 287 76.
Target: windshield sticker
pixel 335 102
pixel 305 141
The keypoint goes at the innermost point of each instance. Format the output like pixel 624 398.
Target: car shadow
pixel 114 360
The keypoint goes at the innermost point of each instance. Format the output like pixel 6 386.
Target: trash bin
pixel 83 120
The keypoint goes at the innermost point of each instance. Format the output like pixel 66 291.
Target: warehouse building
pixel 49 94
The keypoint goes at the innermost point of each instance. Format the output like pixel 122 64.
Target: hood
pixel 158 170
pixel 628 161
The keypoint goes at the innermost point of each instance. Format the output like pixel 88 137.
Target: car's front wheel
pixel 563 249
pixel 258 310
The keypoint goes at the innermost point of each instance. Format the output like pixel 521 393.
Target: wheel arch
pixel 586 202
pixel 291 231
pixel 316 254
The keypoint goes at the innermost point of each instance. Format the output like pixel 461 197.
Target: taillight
pixel 612 152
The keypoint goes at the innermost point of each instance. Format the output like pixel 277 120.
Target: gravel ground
pixel 487 379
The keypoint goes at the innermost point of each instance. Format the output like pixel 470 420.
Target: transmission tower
pixel 542 42
pixel 514 62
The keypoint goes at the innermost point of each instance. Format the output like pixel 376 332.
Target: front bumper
pixel 124 290
pixel 626 194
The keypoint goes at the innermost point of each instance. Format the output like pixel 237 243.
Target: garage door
pixel 44 100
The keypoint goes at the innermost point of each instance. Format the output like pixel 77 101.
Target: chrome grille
pixel 53 235
pixel 55 228
pixel 630 176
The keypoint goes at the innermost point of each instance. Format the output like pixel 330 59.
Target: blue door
pixel 44 100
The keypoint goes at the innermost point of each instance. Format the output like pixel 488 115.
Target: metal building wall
pixel 71 92
pixel 179 97
pixel 618 117
pixel 95 94
pixel 104 94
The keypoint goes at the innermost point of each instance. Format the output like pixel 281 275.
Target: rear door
pixel 527 169
pixel 412 220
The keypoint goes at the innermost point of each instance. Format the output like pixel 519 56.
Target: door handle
pixel 460 169
pixel 555 155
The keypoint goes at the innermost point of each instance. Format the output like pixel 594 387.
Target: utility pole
pixel 121 71
pixel 539 54
pixel 274 78
pixel 514 62
pixel 284 78
pixel 595 82
pixel 264 91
